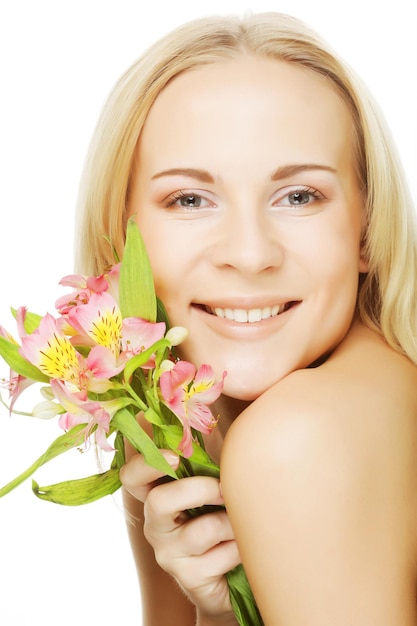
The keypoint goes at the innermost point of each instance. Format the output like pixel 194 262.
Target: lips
pixel 249 316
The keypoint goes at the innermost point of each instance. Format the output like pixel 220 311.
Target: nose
pixel 249 242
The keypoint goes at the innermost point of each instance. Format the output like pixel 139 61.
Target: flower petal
pixel 139 334
pixel 49 350
pixel 102 363
pixel 100 320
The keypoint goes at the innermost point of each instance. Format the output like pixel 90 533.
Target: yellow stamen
pixel 59 359
pixel 107 330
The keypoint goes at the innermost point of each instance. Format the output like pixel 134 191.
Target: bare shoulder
pixel 329 456
pixel 365 393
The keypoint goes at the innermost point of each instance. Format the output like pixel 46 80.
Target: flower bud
pixel 166 366
pixel 46 410
pixel 176 335
pixel 47 393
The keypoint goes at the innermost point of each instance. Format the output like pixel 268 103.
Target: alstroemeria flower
pixel 50 351
pixel 139 335
pixel 84 287
pixel 100 321
pixel 80 410
pixel 187 393
pixel 53 353
pixel 17 383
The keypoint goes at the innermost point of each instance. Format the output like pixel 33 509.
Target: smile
pixel 249 316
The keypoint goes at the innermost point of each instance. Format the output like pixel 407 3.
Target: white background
pixel 58 61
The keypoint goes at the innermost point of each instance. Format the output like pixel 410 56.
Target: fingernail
pixel 171 458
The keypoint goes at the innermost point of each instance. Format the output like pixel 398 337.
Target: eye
pixel 295 197
pixel 187 200
pixel 299 197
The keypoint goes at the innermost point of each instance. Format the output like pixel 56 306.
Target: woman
pixel 281 235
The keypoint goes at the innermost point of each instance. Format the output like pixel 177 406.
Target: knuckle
pixel 148 530
pixel 127 476
pixel 155 503
pixel 164 561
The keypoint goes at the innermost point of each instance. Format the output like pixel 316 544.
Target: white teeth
pixel 252 315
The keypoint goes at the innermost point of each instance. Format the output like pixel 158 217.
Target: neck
pixel 228 409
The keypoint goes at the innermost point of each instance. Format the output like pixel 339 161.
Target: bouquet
pixel 109 355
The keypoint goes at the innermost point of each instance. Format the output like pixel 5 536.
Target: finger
pixel 221 558
pixel 215 563
pixel 165 503
pixel 139 478
pixel 202 533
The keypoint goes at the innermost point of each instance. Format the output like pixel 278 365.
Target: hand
pixel 197 551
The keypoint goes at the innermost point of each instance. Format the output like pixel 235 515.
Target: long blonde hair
pixel 387 299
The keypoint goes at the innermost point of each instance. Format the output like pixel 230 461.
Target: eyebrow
pixel 289 170
pixel 202 175
pixel 280 173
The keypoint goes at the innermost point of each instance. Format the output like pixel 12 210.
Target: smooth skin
pixel 246 195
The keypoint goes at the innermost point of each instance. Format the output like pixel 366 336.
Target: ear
pixel 363 261
pixel 363 264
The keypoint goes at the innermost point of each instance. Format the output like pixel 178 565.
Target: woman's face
pixel 246 196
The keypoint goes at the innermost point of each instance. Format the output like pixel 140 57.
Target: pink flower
pixel 85 287
pixel 187 393
pixel 53 353
pixel 17 383
pixel 139 335
pixel 100 323
pixel 80 410
pixel 49 350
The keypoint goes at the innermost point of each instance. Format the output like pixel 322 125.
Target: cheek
pixel 333 263
pixel 170 274
pixel 161 249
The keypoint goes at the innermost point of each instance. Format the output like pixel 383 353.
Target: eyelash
pixel 311 191
pixel 179 195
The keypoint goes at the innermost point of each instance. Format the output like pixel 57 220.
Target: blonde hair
pixel 387 298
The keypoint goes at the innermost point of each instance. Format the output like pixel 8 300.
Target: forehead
pixel 248 101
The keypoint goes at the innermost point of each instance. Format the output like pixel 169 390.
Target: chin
pixel 247 393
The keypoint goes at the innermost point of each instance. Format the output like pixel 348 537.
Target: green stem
pixel 140 403
pixel 14 410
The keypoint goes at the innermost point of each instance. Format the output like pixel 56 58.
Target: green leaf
pixel 32 321
pixel 136 288
pixel 162 315
pixel 153 417
pixel 119 458
pixel 200 461
pixel 65 442
pixel 81 490
pixel 127 424
pixel 140 359
pixel 241 597
pixel 9 351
